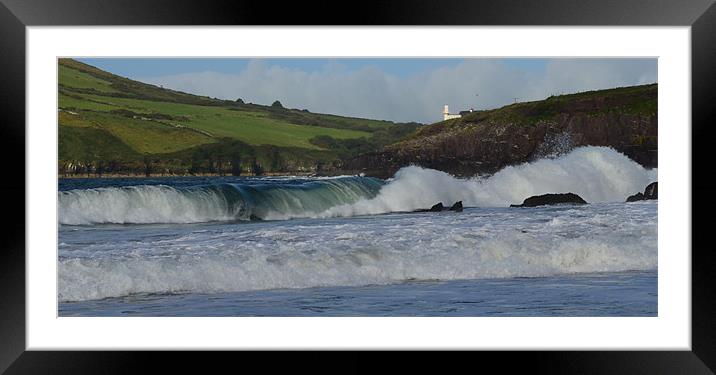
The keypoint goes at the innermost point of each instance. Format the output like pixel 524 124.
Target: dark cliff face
pixel 486 141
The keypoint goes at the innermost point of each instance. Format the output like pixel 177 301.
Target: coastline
pixel 165 175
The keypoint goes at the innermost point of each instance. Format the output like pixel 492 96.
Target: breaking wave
pixel 146 204
pixel 473 245
pixel 597 174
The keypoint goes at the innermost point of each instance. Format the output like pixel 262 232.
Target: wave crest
pixel 597 174
pixel 146 204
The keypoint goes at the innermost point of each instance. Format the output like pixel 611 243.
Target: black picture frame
pixel 16 15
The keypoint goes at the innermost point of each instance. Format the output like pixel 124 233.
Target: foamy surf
pixel 475 244
pixel 597 174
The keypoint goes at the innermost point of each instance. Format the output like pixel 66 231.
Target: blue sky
pixel 398 89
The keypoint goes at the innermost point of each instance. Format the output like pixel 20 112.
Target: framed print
pixel 459 175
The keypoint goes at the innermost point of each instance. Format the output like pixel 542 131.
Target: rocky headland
pixel 483 142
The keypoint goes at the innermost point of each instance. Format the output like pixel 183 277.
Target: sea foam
pixel 597 174
pixel 475 244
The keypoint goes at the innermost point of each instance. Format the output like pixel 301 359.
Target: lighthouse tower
pixel 447 115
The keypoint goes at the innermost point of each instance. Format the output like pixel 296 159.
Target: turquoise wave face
pixel 286 201
pixel 146 204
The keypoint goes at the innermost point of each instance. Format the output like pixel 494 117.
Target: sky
pixel 396 89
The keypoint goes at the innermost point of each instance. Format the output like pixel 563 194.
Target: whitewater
pixel 139 241
pixel 597 174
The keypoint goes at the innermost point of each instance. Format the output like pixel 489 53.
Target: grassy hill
pixel 111 124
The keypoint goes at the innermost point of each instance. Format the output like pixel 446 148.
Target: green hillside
pixel 632 100
pixel 106 119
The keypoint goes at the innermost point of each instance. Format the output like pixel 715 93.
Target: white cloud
pixel 372 93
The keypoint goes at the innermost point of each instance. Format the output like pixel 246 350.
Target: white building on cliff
pixel 447 115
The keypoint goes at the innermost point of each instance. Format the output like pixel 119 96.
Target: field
pixel 252 127
pixel 140 120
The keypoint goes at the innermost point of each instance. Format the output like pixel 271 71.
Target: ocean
pixel 351 245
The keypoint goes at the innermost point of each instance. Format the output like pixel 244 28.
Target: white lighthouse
pixel 447 115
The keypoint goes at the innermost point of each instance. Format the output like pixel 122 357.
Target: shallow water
pixel 605 294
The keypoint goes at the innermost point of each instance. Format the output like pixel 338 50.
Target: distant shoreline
pixel 160 175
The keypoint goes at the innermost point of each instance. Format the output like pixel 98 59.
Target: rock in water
pixel 651 192
pixel 635 197
pixel 437 207
pixel 546 199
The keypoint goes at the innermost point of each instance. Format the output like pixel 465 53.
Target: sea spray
pixel 597 174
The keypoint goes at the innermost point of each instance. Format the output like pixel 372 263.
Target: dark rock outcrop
pixel 438 207
pixel 651 192
pixel 548 199
pixel 636 197
pixel 457 207
pixel 435 208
